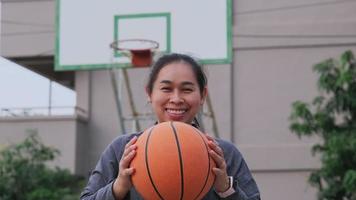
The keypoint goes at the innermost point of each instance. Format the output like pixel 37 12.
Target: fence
pixel 41 111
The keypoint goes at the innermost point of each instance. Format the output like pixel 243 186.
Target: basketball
pixel 172 162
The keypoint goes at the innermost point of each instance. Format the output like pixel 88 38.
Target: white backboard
pixel 0 26
pixel 85 29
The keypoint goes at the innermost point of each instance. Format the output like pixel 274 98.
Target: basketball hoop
pixel 140 51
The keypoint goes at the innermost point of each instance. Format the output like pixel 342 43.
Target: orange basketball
pixel 172 162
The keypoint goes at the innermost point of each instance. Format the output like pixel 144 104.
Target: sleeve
pixel 101 180
pixel 244 184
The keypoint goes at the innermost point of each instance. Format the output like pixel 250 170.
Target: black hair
pixel 175 57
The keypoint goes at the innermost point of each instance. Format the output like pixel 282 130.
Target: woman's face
pixel 175 94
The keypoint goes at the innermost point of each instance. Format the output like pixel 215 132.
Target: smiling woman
pixel 176 95
pixel 23 89
pixel 176 89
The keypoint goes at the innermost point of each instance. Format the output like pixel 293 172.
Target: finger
pixel 132 141
pixel 130 146
pixel 219 161
pixel 128 171
pixel 218 172
pixel 126 160
pixel 216 148
pixel 129 149
pixel 209 137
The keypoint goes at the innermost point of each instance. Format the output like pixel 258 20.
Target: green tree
pixel 332 117
pixel 24 174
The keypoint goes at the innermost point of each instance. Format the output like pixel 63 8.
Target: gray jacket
pixel 102 177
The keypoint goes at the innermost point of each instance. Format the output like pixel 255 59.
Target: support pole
pixel 117 101
pixel 50 98
pixel 131 102
pixel 212 115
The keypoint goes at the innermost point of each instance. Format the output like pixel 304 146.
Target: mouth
pixel 172 111
pixel 176 114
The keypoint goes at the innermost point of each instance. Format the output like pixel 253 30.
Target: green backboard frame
pixel 62 35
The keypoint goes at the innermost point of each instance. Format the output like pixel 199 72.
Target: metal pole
pixel 50 98
pixel 212 115
pixel 132 105
pixel 232 81
pixel 232 101
pixel 200 119
pixel 118 102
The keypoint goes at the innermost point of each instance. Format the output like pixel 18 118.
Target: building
pixel 275 46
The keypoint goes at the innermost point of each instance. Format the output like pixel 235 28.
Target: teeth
pixel 177 112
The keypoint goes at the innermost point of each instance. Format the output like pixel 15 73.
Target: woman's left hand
pixel 221 183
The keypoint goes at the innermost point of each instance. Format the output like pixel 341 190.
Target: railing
pixel 42 111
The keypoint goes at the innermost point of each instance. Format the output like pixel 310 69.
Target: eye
pixel 166 89
pixel 188 90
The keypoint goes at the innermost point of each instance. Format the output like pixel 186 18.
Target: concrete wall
pixel 262 109
pixel 28 28
pixel 276 43
pixel 61 132
pixel 81 148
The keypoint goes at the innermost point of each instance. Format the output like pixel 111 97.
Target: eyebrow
pixel 183 83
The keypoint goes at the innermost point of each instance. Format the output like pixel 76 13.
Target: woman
pixel 176 89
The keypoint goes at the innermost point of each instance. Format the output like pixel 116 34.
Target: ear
pixel 204 95
pixel 148 95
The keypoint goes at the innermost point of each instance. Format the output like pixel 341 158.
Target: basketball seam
pixel 148 167
pixel 207 177
pixel 180 160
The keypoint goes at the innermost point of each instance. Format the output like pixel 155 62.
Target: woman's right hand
pixel 123 182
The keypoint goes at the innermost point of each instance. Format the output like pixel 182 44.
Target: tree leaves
pixel 25 176
pixel 332 116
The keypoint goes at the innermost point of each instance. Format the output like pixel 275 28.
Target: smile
pixel 176 111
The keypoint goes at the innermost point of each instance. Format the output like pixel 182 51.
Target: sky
pixel 22 88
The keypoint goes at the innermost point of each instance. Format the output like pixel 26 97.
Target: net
pixel 139 50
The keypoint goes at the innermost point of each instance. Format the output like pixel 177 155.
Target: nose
pixel 176 97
